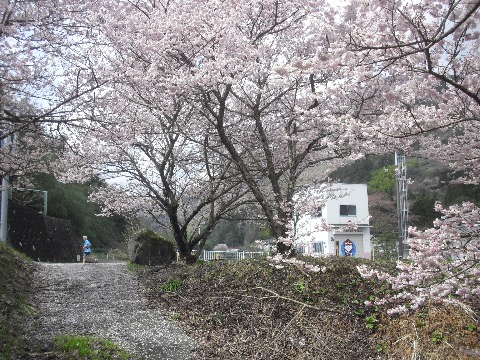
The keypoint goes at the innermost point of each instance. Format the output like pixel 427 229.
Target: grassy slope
pixel 15 280
pixel 254 310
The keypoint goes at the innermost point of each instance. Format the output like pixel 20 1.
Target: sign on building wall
pixel 348 248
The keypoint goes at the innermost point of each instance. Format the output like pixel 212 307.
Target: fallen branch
pixel 291 320
pixel 277 295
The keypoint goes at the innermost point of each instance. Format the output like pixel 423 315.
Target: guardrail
pixel 232 255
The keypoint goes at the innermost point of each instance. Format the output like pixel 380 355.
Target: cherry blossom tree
pixel 422 56
pixel 155 169
pixel 250 70
pixel 43 79
pixel 422 59
pixel 288 90
pixel 444 262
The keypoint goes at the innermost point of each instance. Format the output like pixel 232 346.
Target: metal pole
pixel 10 142
pixel 4 210
pixel 399 215
pixel 45 197
pixel 402 206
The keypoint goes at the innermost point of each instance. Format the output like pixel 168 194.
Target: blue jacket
pixel 86 246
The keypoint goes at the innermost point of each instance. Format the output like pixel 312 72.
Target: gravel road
pixel 104 300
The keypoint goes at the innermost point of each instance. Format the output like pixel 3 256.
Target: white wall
pixel 348 194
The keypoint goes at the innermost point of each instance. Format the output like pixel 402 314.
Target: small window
pixel 318 247
pixel 301 249
pixel 348 210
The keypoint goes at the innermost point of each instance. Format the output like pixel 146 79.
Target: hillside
pixel 15 284
pixel 255 310
pixel 428 179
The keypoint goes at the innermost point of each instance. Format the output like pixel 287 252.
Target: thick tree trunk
pixel 281 232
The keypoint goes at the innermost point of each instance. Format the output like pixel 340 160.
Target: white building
pixel 340 227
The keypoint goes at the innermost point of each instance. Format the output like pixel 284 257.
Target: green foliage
pixel 422 319
pixel 70 201
pixel 229 232
pixel 134 268
pixel 423 212
pixel 321 291
pixel 413 163
pixel 383 180
pixel 437 337
pixel 266 233
pixel 91 348
pixel 176 317
pixel 359 312
pixel 458 193
pixel 172 285
pixel 370 322
pixel 152 235
pixel 147 234
pixel 471 327
pixel 236 233
pixel 381 347
pixel 300 286
pixel 360 171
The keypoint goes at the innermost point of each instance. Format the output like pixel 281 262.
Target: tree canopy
pixel 194 108
pixel 70 201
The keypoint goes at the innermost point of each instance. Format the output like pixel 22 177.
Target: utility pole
pixel 402 206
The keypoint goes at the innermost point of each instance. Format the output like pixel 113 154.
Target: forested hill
pixel 70 202
pixel 428 179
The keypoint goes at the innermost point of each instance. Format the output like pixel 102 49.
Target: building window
pixel 318 247
pixel 348 210
pixel 301 249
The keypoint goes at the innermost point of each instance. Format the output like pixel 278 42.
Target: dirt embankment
pixel 254 310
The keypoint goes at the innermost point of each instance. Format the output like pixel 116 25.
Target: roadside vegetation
pixel 15 280
pixel 88 347
pixel 260 309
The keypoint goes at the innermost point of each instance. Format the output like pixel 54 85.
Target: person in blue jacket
pixel 86 248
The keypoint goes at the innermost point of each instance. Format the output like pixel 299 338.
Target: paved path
pixel 104 300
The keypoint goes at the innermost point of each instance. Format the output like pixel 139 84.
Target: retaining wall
pixel 40 237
